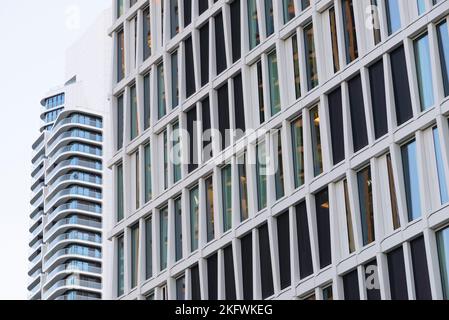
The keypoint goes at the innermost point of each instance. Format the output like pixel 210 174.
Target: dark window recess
pixel 236 30
pixel 239 104
pixel 195 283
pixel 351 286
pixel 193 157
pixel 220 45
pixel 265 262
pixel 372 281
pixel 396 273
pixel 147 101
pixel 212 277
pixel 246 244
pixel 420 270
pixel 358 120
pixel 187 12
pixel 119 122
pixel 207 143
pixel 190 70
pixel 401 88
pixel 284 249
pixel 223 116
pixel 378 100
pixel 229 273
pixel 305 253
pixel 204 54
pixel 203 5
pixel 323 227
pixel 336 119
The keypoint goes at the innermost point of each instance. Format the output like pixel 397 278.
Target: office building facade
pixel 326 173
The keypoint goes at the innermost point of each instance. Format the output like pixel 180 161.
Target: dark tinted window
pixel 212 277
pixel 372 281
pixel 323 226
pixel 236 30
pixel 195 283
pixel 265 262
pixel 401 88
pixel 191 119
pixel 190 70
pixel 284 249
pixel 220 46
pixel 358 121
pixel 207 143
pixel 223 115
pixel 204 54
pixel 229 273
pixel 378 100
pixel 351 286
pixel 246 244
pixel 305 253
pixel 336 124
pixel 239 106
pixel 396 273
pixel 420 270
pixel 203 5
pixel 187 12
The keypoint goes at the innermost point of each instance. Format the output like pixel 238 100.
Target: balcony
pixel 74 205
pixel 91 151
pixel 72 267
pixel 75 162
pixel 83 120
pixel 74 236
pixel 76 296
pixel 74 251
pixel 75 176
pixel 73 192
pixel 93 137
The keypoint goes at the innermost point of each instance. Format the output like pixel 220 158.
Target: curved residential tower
pixel 67 180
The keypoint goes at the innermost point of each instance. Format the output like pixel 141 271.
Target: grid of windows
pixel 327 188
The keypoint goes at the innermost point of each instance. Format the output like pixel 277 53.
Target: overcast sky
pixel 34 37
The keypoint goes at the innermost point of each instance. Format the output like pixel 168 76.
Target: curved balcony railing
pixel 74 236
pixel 34 290
pixel 75 205
pixel 77 134
pixel 38 161
pixel 73 267
pixel 76 296
pixel 76 148
pixel 75 250
pixel 76 191
pixel 35 246
pixel 35 274
pixel 36 259
pixel 95 165
pixel 37 174
pixel 36 231
pixel 76 176
pixel 79 119
pixel 72 282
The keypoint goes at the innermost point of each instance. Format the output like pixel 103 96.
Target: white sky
pixel 34 36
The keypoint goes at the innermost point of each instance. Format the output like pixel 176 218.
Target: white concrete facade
pixel 375 214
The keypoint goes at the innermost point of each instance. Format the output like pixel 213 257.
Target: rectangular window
pixel 230 292
pixel 311 64
pixel 396 274
pixel 146 33
pixel 148 183
pixel 120 55
pixel 261 171
pixel 190 67
pixel 243 187
pixel 119 193
pixel 444 197
pixel 236 30
pixel 174 80
pixel 161 91
pixel 246 244
pixel 266 272
pixel 411 180
pixel 220 45
pixel 120 266
pixel 223 118
pixel 120 8
pixel 187 12
pixel 303 241
pixel 401 87
pixel 336 125
pixel 316 141
pixel 323 227
pixel 181 288
pixel 378 99
pixel 193 147
pixel 328 294
pixel 351 285
pixel 279 165
pixel 194 218
pixel 174 18
pixel 393 198
pixel 283 228
pixel 420 269
pixel 149 247
pixel 207 135
pixel 202 6
pixel 443 256
pixel 176 152
pixel 296 67
pixel 239 105
pixel 226 189
pixel 212 277
pixel 275 98
pixel 376 22
pixel 204 53
pixel 423 71
pixel 178 229
pixel 195 283
pixel 163 216
pixel 358 120
pixel 288 7
pixel 134 125
pixel 134 255
pixel 443 45
pixel 366 205
pixel 165 155
pixel 305 4
pixel 120 117
pixel 298 151
pixel 393 16
pixel 260 91
pixel 349 225
pixel 253 24
pixel 372 281
pixel 269 20
pixel 334 39
pixel 137 178
pixel 146 102
pixel 210 218
pixel 352 52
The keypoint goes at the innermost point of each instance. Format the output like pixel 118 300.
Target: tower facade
pixel 312 139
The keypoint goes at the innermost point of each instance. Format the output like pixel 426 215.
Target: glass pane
pixel 443 255
pixel 316 141
pixel 261 162
pixel 194 215
pixel 393 16
pixel 423 71
pixel 296 66
pixel 298 152
pixel 443 43
pixel 253 26
pixel 279 176
pixel 148 187
pixel 226 180
pixel 149 248
pixel 119 191
pixel 120 266
pixel 312 71
pixel 440 167
pixel 243 187
pixel 411 180
pixel 349 225
pixel 161 91
pixel 178 229
pixel 163 215
pixel 366 205
pixel 210 209
pixel 350 31
pixel 269 17
pixel 288 9
pixel 275 99
pixel 134 255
